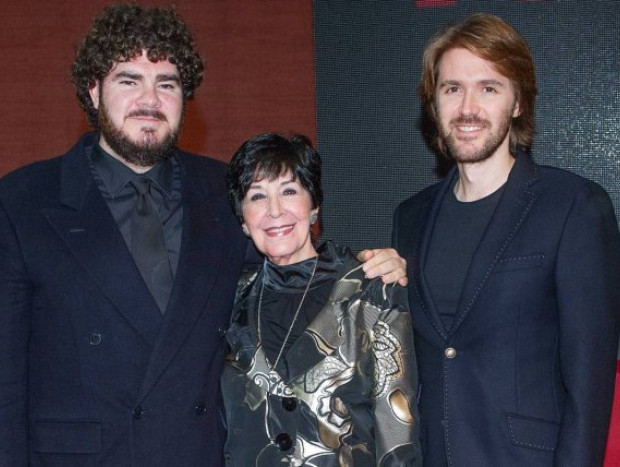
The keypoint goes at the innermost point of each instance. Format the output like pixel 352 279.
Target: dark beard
pixel 140 154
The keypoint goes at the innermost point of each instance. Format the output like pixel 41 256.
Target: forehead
pixel 464 66
pixel 143 66
pixel 261 175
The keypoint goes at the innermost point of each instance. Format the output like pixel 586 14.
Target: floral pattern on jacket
pixel 348 395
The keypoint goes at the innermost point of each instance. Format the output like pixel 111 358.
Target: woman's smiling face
pixel 276 213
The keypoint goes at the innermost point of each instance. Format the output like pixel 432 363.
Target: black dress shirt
pixel 112 178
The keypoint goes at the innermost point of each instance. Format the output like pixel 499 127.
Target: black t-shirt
pixel 456 235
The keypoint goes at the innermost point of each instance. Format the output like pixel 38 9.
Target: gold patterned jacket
pixel 349 398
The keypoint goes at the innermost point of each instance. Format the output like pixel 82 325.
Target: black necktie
pixel 148 245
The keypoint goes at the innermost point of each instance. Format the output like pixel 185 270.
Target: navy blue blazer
pixel 91 373
pixel 525 377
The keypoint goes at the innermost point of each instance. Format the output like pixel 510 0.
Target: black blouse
pixel 284 288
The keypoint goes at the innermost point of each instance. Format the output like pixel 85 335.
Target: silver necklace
pixel 290 329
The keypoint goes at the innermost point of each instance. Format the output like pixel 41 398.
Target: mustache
pixel 151 113
pixel 469 121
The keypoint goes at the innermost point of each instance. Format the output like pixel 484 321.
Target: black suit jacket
pixel 525 377
pixel 91 373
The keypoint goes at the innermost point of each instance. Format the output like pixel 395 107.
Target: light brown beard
pixel 493 141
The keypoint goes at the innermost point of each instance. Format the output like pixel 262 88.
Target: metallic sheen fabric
pixel 345 392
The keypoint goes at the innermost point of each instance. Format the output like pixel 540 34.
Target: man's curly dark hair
pixel 120 33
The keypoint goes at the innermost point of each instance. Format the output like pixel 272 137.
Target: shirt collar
pixel 115 175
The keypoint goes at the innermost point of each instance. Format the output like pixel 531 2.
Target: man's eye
pixel 490 89
pixel 452 90
pixel 167 86
pixel 127 82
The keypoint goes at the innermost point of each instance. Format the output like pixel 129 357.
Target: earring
pixel 313 218
pixel 246 232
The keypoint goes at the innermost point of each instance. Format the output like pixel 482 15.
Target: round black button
pixel 138 412
pixel 201 408
pixel 289 403
pixel 94 339
pixel 284 441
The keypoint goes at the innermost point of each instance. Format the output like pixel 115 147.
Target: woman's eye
pixel 256 196
pixel 290 191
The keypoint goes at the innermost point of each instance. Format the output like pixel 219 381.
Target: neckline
pixel 315 262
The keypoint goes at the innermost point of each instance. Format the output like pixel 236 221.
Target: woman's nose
pixel 275 209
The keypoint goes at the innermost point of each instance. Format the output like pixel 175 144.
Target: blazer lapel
pixel 511 211
pixel 200 260
pixel 86 225
pixel 420 255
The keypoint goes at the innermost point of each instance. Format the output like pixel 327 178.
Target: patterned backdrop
pixel 368 56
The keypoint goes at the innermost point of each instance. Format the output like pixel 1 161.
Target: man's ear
pixel 517 110
pixel 94 94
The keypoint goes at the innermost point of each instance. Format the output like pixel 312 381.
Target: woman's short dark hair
pixel 269 155
pixel 120 33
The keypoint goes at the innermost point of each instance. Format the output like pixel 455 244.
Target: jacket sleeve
pixel 588 294
pixel 15 305
pixel 395 383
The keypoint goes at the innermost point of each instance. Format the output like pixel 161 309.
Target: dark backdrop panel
pixel 368 56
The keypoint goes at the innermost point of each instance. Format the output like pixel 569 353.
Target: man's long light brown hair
pixel 492 39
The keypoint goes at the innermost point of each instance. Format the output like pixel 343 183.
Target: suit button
pixel 138 412
pixel 450 352
pixel 289 403
pixel 94 338
pixel 284 441
pixel 201 408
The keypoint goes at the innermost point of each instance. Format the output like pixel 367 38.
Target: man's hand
pixel 384 262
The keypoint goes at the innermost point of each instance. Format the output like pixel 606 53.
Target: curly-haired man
pixel 118 265
pixel 110 354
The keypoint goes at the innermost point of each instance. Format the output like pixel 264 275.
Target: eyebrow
pixel 494 82
pixel 257 184
pixel 138 76
pixel 484 82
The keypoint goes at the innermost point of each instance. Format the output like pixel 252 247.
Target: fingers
pixel 397 274
pixel 384 263
pixel 365 255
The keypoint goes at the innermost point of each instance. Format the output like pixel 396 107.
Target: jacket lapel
pixel 324 335
pixel 86 225
pixel 420 254
pixel 321 338
pixel 511 211
pixel 200 260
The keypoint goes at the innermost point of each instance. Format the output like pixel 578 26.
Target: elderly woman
pixel 321 369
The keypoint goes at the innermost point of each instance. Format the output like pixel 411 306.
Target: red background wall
pixel 259 77
pixel 259 74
